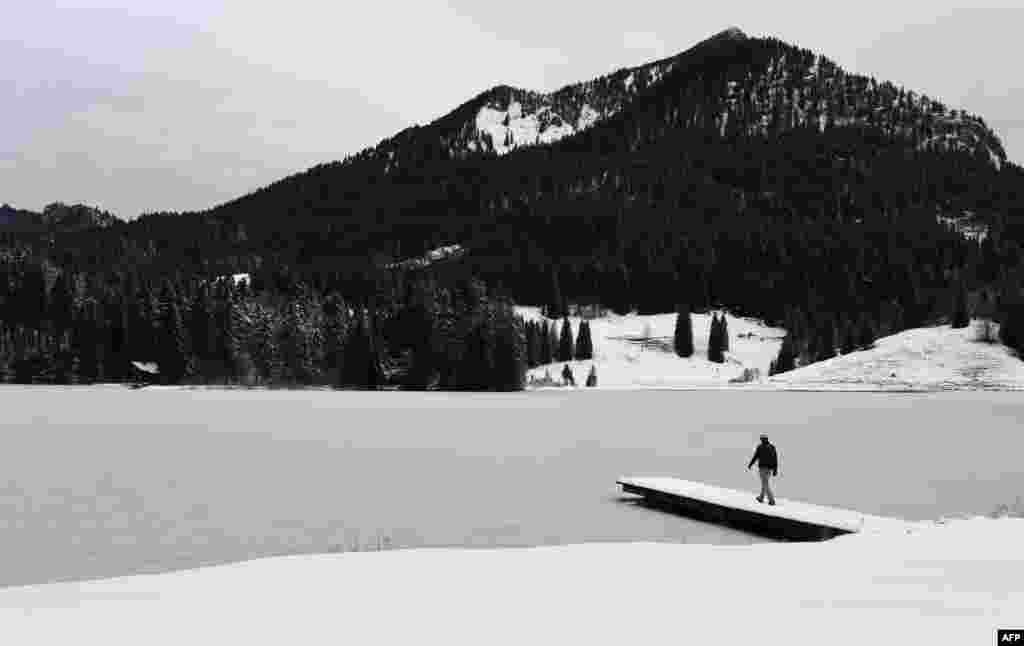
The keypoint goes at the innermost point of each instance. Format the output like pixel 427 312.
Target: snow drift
pixel 941 584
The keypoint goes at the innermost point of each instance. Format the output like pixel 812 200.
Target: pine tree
pixel 683 339
pixel 565 345
pixel 865 333
pixel 172 346
pixel 960 318
pixel 556 304
pixel 85 344
pixel 584 345
pixel 724 331
pixel 592 377
pixel 827 342
pixel 202 329
pixel 786 359
pixel 543 343
pixel 552 342
pixel 715 352
pixel 297 343
pixel 475 370
pixel 848 337
pixel 355 370
pixel 334 330
pixel 531 345
pixel 619 297
pixel 61 303
pixel 509 370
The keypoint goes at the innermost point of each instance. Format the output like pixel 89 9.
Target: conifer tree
pixel 827 342
pixel 865 333
pixel 565 345
pixel 556 304
pixel 584 344
pixel 960 318
pixel 172 346
pixel 715 352
pixel 531 345
pixel 543 343
pixel 786 359
pixel 509 370
pixel 848 337
pixel 553 341
pixel 724 331
pixel 202 329
pixel 683 339
pixel 356 370
pixel 61 303
pixel 85 344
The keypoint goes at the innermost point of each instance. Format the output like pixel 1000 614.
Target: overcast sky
pixel 140 106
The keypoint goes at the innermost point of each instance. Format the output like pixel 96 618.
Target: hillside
pixel 636 352
pixel 625 356
pixel 933 358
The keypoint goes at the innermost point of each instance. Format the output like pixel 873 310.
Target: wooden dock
pixel 787 519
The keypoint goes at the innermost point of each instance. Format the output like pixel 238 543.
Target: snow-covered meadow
pixel 636 352
pixel 931 358
pixel 948 584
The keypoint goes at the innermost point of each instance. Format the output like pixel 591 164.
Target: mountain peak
pixel 732 33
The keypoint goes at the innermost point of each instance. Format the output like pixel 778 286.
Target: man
pixel 768 464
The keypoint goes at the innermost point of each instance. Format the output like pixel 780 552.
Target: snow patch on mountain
pixel 512 128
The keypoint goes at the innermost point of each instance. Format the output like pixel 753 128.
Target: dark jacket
pixel 766 457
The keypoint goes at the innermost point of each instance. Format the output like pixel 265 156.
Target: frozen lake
pixel 98 482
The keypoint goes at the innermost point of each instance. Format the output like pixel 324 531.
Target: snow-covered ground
pixel 931 358
pixel 625 358
pixel 941 584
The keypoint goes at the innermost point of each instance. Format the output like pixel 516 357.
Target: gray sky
pixel 136 105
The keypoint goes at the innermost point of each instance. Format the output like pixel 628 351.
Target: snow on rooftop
pixel 943 584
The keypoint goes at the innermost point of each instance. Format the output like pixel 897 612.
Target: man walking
pixel 768 464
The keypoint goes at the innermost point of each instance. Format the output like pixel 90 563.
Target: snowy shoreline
pixel 943 583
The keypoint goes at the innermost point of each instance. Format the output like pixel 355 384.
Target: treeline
pixel 62 328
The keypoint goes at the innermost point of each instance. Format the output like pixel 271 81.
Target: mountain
pixel 745 174
pixel 737 86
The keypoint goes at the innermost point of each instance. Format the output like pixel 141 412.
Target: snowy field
pixel 950 584
pixel 98 482
pixel 933 358
pixel 635 352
